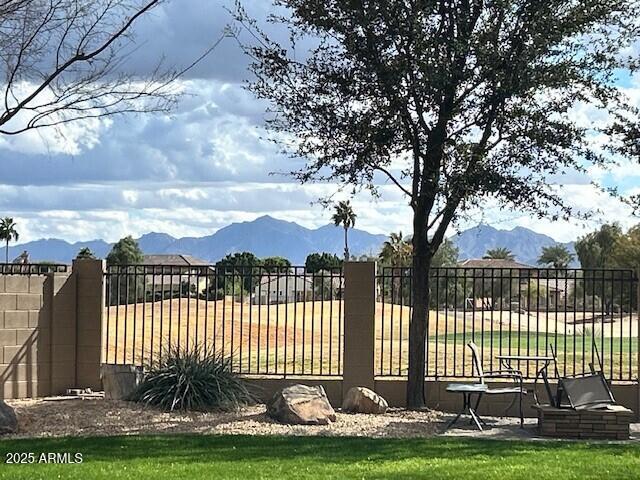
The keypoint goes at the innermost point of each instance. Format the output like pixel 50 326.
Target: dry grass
pixel 306 337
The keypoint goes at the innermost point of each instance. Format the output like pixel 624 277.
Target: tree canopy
pixel 126 251
pixel 556 256
pixel 85 253
pixel 396 252
pixel 499 253
pixel 610 247
pixel 276 264
pixel 316 262
pixel 595 249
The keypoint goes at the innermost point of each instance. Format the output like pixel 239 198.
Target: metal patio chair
pixel 517 389
pixel 587 390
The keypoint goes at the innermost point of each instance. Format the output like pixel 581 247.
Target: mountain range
pixel 268 236
pixel 524 243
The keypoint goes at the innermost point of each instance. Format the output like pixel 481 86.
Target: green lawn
pixel 190 457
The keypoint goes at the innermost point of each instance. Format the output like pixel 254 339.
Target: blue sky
pixel 205 165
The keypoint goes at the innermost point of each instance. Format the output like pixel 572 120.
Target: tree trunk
pixel 346 245
pixel 419 322
pixel 6 252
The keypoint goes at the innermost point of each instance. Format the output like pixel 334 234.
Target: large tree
pixel 452 101
pixel 126 251
pixel 67 60
pixel 126 282
pixel 595 249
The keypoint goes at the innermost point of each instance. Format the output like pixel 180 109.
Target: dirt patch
pixel 99 417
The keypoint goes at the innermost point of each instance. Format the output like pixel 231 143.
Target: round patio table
pixel 467 390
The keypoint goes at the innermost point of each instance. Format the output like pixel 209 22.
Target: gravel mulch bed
pixel 100 417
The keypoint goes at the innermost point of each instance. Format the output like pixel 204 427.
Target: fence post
pixel 90 297
pixel 359 325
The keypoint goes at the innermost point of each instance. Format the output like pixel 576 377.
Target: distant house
pixel 549 289
pixel 283 288
pixel 494 263
pixel 175 274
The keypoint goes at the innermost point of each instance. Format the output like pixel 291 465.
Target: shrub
pixel 197 378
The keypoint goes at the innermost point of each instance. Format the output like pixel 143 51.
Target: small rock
pixel 8 419
pixel 301 405
pixel 363 400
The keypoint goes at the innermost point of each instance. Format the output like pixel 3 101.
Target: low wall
pixel 394 391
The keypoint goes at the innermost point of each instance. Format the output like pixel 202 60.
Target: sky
pixel 206 164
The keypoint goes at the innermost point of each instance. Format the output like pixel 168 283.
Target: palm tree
pixel 396 251
pixel 499 253
pixel 8 233
pixel 344 216
pixel 557 256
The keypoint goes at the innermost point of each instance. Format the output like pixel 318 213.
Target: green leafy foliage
pixel 85 253
pixel 122 288
pixel 595 250
pixel 446 256
pixel 238 268
pixel 192 379
pixel 125 252
pixel 499 253
pixel 276 264
pixel 556 256
pixel 316 262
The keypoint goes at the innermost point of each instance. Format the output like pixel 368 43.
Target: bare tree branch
pixel 66 60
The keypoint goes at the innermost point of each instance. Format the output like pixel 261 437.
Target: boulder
pixel 119 381
pixel 363 400
pixel 301 405
pixel 8 419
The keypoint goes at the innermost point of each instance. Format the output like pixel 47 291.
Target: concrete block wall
pixel 49 333
pixel 24 337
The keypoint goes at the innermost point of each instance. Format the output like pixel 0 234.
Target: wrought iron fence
pixel 31 268
pixel 270 320
pixel 583 316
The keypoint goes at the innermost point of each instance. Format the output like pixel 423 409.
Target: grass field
pixel 306 337
pixel 240 457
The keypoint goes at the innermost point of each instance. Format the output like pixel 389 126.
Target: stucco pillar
pixel 359 324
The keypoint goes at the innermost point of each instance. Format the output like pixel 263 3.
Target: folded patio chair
pixel 517 389
pixel 583 390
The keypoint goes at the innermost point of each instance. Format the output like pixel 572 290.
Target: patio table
pixel 467 390
pixel 506 360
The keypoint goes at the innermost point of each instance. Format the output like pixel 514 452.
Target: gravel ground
pixel 99 417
